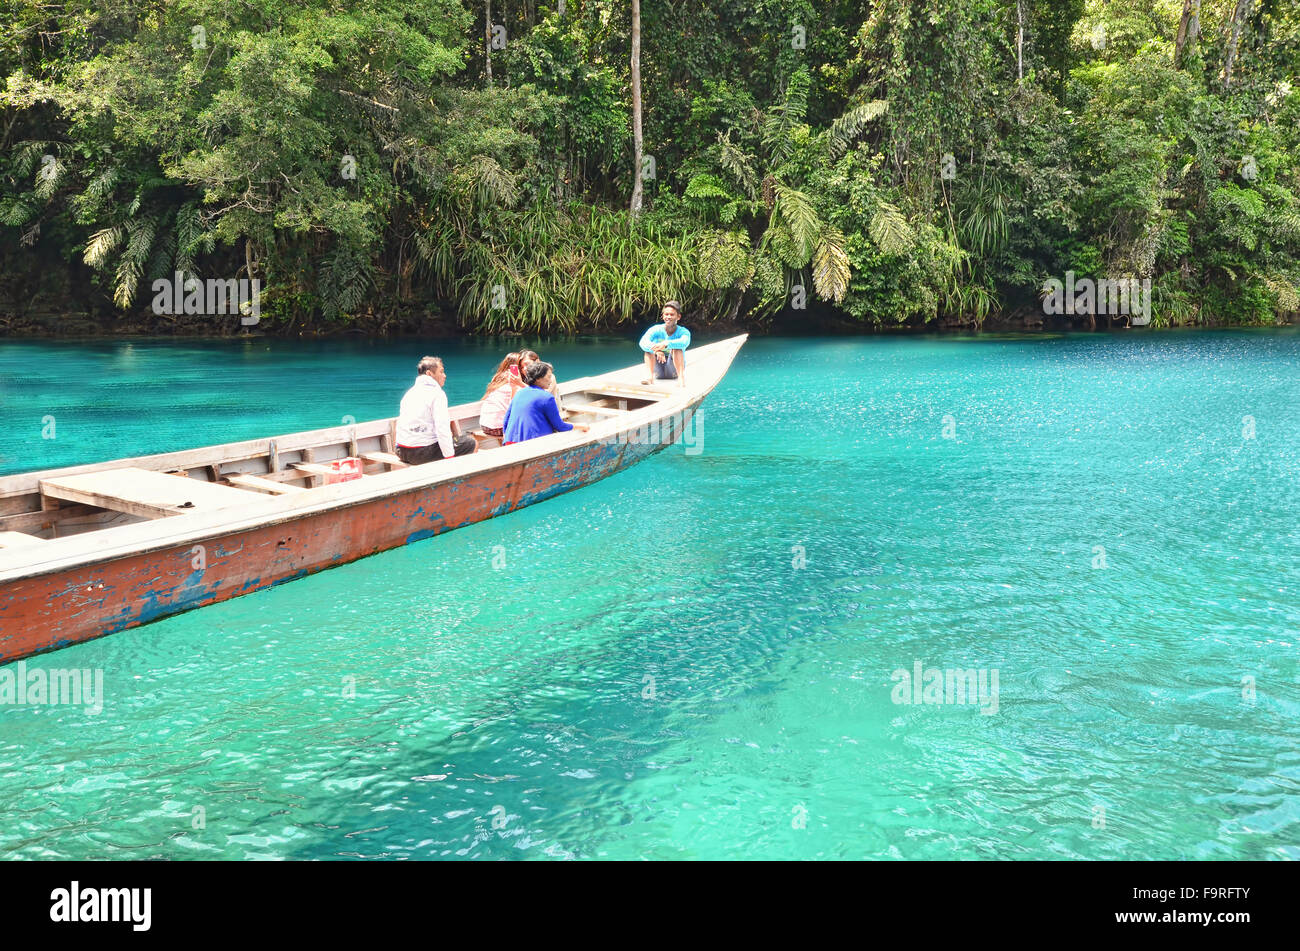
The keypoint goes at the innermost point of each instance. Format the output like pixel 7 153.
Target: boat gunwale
pixel 71 552
pixel 18 484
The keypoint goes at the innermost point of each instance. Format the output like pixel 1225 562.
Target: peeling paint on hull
pixel 46 612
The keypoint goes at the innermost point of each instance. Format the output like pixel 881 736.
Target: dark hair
pixel 428 363
pixel 536 371
pixel 675 306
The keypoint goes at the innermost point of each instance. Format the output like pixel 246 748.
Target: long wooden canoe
pixel 95 549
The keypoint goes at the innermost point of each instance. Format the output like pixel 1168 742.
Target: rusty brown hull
pixel 50 611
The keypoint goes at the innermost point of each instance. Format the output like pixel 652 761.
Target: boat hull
pixel 50 611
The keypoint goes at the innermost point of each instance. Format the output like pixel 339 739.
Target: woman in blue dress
pixel 533 411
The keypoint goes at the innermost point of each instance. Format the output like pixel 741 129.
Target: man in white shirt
pixel 425 429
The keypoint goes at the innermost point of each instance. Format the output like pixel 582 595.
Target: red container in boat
pixel 345 470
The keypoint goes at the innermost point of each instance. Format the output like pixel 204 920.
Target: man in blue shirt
pixel 665 347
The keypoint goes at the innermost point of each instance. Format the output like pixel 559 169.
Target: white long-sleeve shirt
pixel 424 418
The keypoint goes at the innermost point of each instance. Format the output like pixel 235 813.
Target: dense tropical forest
pixel 391 165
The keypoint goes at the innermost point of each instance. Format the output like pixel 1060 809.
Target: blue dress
pixel 532 413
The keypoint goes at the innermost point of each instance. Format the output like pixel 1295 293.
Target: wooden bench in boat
pixel 314 468
pixel 244 481
pixel 622 391
pixel 144 492
pixel 597 410
pixel 387 458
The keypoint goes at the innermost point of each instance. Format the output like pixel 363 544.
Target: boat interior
pixel 38 506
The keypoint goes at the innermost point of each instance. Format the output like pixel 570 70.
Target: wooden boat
pixel 90 550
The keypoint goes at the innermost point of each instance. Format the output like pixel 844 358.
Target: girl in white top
pixel 496 400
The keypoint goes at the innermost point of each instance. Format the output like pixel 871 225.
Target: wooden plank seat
pixel 649 394
pixel 243 480
pixel 597 410
pixel 144 492
pixel 17 539
pixel 314 468
pixel 385 458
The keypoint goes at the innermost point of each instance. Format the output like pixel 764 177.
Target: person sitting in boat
pixel 496 399
pixel 425 429
pixel 533 412
pixel 530 356
pixel 665 347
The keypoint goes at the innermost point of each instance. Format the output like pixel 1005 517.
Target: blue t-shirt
pixel 679 340
pixel 532 413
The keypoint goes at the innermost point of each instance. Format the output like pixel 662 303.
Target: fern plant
pixel 540 266
pixel 772 204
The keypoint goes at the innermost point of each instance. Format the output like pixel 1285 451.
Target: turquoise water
pixel 693 659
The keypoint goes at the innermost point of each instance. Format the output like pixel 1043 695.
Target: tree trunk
pixel 1239 16
pixel 1020 41
pixel 1189 28
pixel 487 37
pixel 636 108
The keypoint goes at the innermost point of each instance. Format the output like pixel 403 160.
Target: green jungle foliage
pixel 879 162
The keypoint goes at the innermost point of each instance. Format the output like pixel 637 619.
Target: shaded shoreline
pixel 84 327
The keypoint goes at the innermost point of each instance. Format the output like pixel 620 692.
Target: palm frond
pixel 723 259
pixel 130 267
pixel 495 183
pixel 49 176
pixel 738 164
pixel 781 121
pixel 346 280
pixel 831 271
pixel 28 155
pixel 16 212
pixel 706 186
pixel 101 244
pixel 890 230
pixel 850 125
pixel 795 211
